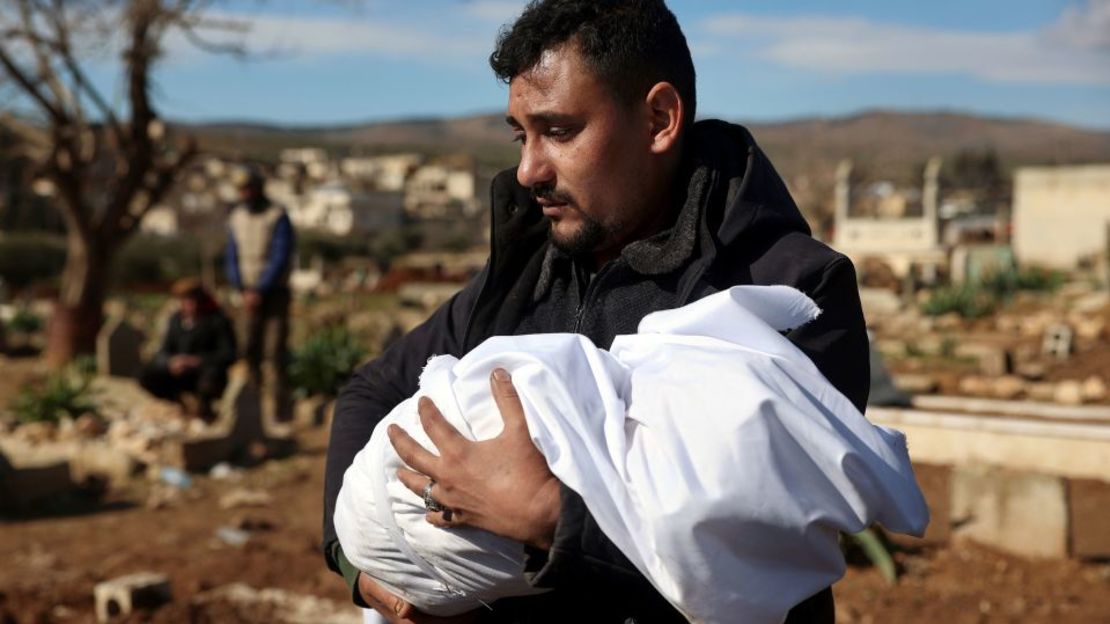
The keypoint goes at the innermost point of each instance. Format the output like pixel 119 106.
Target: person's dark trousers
pixel 207 383
pixel 267 330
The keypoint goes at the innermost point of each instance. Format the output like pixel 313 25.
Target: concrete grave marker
pixel 118 349
pixel 1058 341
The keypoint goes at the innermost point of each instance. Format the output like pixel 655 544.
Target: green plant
pixel 876 552
pixel 324 362
pixel 25 321
pixel 969 301
pixel 30 257
pixel 67 393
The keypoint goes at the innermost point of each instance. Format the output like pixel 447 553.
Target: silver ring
pixel 430 503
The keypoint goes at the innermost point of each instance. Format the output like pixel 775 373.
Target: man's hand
pixel 181 364
pixel 502 485
pixel 251 298
pixel 396 611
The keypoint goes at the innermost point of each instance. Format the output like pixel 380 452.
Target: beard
pixel 586 238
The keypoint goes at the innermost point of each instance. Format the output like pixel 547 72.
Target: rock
pixel 37 432
pixel 916 383
pixel 1008 387
pixel 1068 392
pixel 236 538
pixel 1093 302
pixel 1093 389
pixel 1022 513
pixel 1041 391
pixel 245 498
pixel 1032 371
pixel 1090 328
pixel 89 426
pixel 121 596
pixel 974 385
pixel 287 607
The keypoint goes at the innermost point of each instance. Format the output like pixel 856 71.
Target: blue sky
pixel 349 61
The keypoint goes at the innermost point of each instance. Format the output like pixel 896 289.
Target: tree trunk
pixel 79 311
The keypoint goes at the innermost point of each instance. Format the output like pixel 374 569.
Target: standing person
pixel 621 206
pixel 259 261
pixel 196 352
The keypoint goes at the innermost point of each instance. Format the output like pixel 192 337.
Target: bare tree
pixel 107 164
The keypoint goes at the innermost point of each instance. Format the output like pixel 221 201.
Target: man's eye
pixel 560 133
pixel 518 137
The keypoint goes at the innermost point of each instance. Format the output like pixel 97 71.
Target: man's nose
pixel 535 167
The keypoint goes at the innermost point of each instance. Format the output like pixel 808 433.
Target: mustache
pixel 549 193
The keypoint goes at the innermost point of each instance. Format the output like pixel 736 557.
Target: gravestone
pixel 119 349
pixel 1058 341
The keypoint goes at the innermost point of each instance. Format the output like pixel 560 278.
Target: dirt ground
pixel 52 562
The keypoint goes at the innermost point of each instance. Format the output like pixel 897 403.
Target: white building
pixel 1061 215
pixel 386 173
pixel 336 208
pixel 902 242
pixel 439 191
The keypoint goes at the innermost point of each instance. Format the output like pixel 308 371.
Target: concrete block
pixel 121 596
pixel 1088 500
pixel 24 485
pixel 1020 512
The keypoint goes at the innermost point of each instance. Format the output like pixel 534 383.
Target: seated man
pixel 199 346
pixel 734 519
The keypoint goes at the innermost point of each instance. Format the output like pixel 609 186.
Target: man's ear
pixel 667 113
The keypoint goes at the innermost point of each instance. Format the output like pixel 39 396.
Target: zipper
pixel 591 288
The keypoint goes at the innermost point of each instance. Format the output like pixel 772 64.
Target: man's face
pixel 189 307
pixel 583 153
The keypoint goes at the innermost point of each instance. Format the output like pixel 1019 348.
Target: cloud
pixel 495 11
pixel 1084 27
pixel 300 37
pixel 1061 54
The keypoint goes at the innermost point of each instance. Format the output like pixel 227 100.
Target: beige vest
pixel 253 232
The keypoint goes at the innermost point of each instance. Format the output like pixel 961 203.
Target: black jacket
pixel 211 337
pixel 737 225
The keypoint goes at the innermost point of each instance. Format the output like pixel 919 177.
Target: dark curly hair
pixel 630 44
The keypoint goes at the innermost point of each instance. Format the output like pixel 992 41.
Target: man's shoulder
pixel 793 258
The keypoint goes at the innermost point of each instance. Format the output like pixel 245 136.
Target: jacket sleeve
pixel 167 350
pixel 222 353
pixel 231 262
pixel 374 390
pixel 581 555
pixel 280 253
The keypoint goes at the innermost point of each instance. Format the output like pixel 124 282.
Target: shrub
pixel 969 301
pixel 30 257
pixel 324 362
pixel 25 321
pixel 67 393
pixel 154 259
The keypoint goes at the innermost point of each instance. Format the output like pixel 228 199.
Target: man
pixel 259 261
pixel 196 352
pixel 621 206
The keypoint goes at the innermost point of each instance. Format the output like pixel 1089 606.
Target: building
pixel 439 191
pixel 338 209
pixel 907 243
pixel 1061 215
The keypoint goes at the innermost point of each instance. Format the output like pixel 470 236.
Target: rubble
pixel 120 596
pixel 283 606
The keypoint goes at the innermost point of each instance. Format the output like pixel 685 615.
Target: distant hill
pixel 887 142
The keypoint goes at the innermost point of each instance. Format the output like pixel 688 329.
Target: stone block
pixel 1068 392
pixel 916 383
pixel 24 486
pixel 1093 389
pixel 1008 387
pixel 993 361
pixel 1090 532
pixel 1020 512
pixel 119 597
